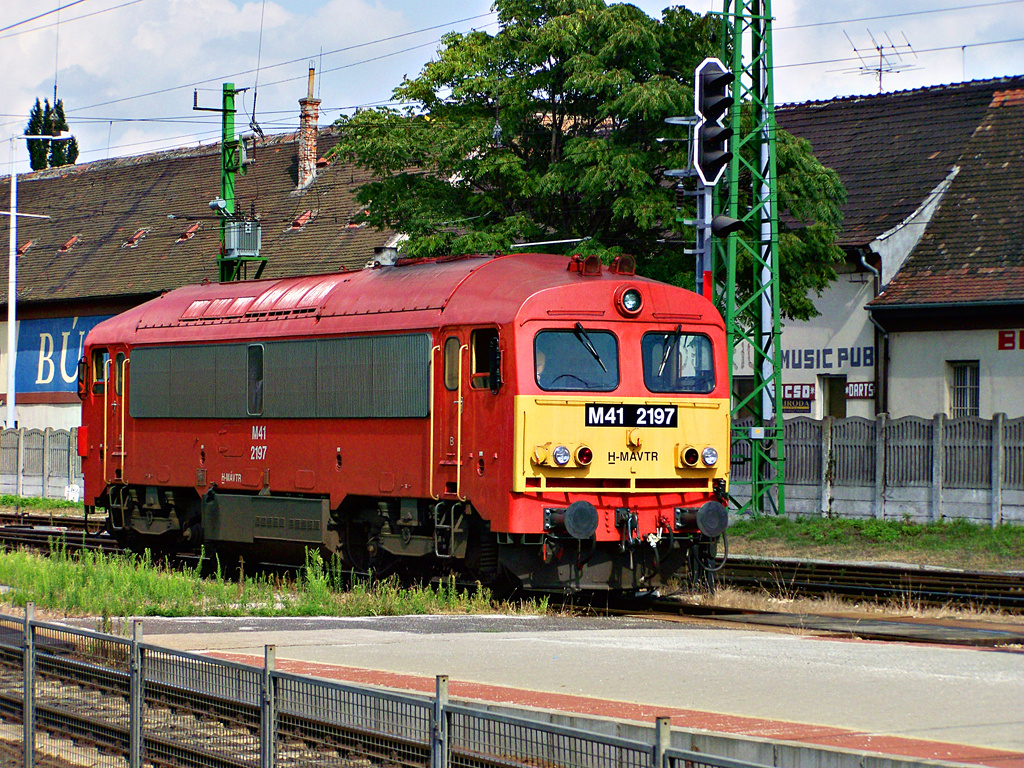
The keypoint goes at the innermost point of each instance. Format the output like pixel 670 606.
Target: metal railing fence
pixel 76 697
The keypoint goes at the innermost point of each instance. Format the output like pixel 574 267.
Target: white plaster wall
pixel 842 324
pixel 894 246
pixel 919 383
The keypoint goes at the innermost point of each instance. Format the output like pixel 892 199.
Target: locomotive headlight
pixel 561 455
pixel 710 456
pixel 629 301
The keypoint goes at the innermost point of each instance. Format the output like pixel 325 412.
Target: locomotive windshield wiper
pixel 586 342
pixel 670 342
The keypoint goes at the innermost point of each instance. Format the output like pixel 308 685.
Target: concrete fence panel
pixel 906 469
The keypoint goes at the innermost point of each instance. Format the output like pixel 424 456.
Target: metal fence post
pixel 881 420
pixel 826 465
pixel 46 462
pixel 72 452
pixel 19 483
pixel 996 510
pixel 136 692
pixel 938 441
pixel 28 712
pixel 662 740
pixel 439 728
pixel 268 709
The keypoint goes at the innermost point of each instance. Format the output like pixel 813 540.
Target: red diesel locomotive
pixel 531 416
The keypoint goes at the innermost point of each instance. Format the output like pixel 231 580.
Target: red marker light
pixel 584 455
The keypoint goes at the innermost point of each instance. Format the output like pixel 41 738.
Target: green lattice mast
pixel 754 319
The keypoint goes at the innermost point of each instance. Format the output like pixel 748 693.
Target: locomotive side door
pixel 110 371
pixel 449 365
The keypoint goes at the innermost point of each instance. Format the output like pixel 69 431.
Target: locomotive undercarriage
pixel 413 536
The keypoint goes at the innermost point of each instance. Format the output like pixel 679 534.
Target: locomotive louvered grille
pixel 197 364
pixel 345 386
pixel 229 381
pixel 359 377
pixel 291 389
pixel 150 382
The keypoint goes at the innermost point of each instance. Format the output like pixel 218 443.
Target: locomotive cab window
pixel 254 378
pixel 485 370
pixel 574 359
pixel 117 372
pixel 451 363
pixel 100 358
pixel 674 361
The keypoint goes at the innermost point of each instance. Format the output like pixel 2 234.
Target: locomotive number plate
pixel 602 415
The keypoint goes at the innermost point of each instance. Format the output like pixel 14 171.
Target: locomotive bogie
pixel 568 427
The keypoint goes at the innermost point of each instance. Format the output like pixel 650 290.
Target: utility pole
pixel 240 238
pixel 753 319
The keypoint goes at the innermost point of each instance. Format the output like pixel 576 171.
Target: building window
pixel 964 377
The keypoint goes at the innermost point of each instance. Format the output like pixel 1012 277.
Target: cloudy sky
pixel 127 69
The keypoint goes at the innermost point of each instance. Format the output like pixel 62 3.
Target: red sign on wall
pixel 797 391
pixel 1010 340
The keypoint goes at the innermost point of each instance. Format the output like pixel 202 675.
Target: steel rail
pixel 921 584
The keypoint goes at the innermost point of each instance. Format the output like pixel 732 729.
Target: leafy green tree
pixel 47 121
pixel 548 130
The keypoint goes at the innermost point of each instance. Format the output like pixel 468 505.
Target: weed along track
pixel 913 584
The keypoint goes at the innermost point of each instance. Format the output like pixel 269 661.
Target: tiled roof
pixel 136 226
pixel 893 149
pixel 973 248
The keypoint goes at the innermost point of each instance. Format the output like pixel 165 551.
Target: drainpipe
pixel 881 365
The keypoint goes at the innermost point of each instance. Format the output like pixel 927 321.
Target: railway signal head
pixel 712 99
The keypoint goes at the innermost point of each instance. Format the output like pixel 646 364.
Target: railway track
pixel 915 584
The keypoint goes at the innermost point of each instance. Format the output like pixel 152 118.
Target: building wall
pixel 840 342
pixel 49 349
pixel 920 372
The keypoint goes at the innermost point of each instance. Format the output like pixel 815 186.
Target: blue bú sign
pixel 49 351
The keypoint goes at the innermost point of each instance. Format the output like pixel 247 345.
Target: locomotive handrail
pixel 433 409
pixel 124 407
pixel 106 416
pixel 458 431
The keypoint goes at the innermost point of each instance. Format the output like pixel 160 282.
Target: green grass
pixel 9 501
pixel 94 583
pixel 956 541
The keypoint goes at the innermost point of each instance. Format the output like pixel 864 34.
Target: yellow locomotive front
pixel 621 434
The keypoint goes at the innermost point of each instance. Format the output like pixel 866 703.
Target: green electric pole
pixel 240 238
pixel 752 318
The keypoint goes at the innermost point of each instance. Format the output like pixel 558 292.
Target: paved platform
pixel 922 702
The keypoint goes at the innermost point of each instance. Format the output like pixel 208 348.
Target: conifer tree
pixel 45 120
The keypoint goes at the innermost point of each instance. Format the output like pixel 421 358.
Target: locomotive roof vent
pixel 587 266
pixel 623 265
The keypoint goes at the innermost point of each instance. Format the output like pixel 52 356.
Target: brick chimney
pixel 309 113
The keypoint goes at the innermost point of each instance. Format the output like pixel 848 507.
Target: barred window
pixel 964 388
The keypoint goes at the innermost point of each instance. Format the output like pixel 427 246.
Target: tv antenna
pixel 886 58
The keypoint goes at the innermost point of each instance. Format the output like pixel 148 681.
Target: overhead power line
pixel 234 75
pixel 936 49
pixel 884 16
pixel 40 15
pixel 66 21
